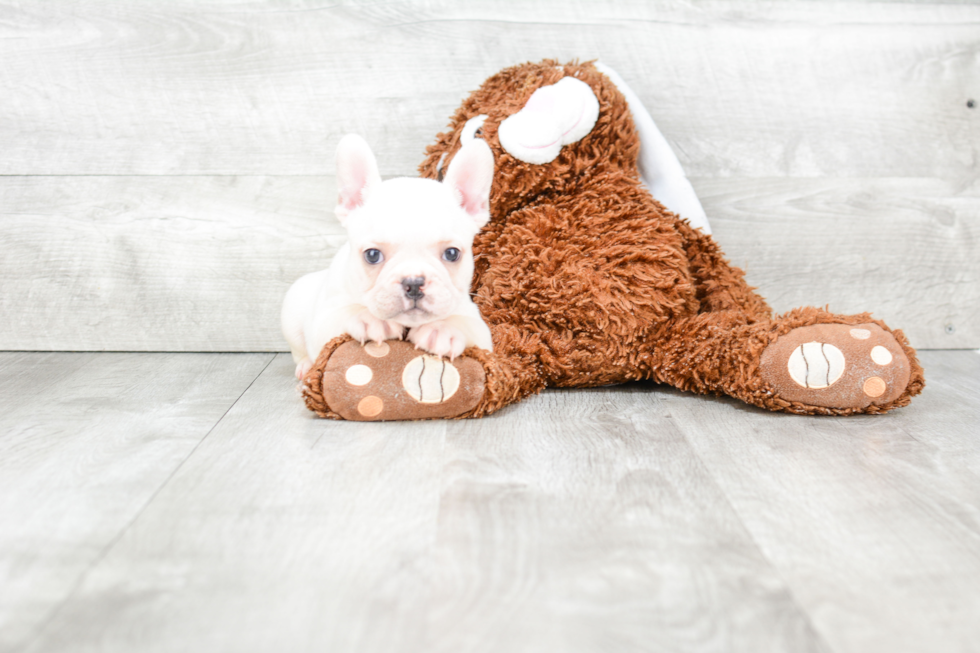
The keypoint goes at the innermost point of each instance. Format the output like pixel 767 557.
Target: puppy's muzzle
pixel 413 287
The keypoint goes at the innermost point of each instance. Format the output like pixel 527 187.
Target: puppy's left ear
pixel 469 176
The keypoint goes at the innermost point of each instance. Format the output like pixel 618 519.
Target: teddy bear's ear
pixel 469 176
pixel 357 175
pixel 554 116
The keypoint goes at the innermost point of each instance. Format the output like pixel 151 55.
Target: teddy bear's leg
pixel 807 361
pixel 393 380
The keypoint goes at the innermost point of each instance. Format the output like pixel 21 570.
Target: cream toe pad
pixel 816 365
pixel 430 379
pixel 881 355
pixel 359 375
pixel 377 349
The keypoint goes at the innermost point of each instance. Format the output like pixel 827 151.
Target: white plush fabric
pixel 554 116
pixel 469 129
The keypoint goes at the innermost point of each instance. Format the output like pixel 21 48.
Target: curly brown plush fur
pixel 586 280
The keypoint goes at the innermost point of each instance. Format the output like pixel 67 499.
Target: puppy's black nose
pixel 413 287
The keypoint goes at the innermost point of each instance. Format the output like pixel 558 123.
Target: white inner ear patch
pixel 471 127
pixel 554 116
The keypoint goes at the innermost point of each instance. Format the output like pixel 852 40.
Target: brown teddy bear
pixel 586 280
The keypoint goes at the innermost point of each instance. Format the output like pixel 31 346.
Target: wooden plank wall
pixel 166 169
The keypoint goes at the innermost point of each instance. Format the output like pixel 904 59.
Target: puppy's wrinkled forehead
pixel 411 211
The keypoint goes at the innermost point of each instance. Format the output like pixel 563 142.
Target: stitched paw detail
pixel 430 379
pixel 836 366
pixel 816 365
pixel 391 381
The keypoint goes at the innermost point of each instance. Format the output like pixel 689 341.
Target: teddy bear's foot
pixel 837 366
pixel 392 380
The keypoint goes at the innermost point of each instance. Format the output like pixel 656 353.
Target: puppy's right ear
pixel 470 176
pixel 357 175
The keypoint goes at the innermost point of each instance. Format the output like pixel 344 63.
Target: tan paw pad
pixel 836 366
pixel 392 381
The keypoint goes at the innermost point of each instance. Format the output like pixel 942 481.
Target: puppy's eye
pixel 373 256
pixel 451 254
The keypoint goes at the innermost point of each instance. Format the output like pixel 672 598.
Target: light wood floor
pixel 188 502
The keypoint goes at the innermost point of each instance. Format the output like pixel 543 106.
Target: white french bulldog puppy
pixel 407 264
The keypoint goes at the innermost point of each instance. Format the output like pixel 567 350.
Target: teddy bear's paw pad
pixel 394 381
pixel 836 366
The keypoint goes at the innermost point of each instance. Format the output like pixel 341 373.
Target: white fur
pixel 412 222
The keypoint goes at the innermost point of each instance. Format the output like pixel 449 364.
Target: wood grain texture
pixel 169 166
pixel 574 522
pixel 202 263
pixel 739 88
pixel 875 531
pixel 283 532
pixel 953 398
pixel 630 518
pixel 156 263
pixel 86 440
pixel 585 522
pixel 906 250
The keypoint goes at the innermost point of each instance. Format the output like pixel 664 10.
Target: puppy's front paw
pixel 303 367
pixel 440 338
pixel 364 326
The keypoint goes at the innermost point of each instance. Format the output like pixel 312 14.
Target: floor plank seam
pixel 821 638
pixel 115 540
